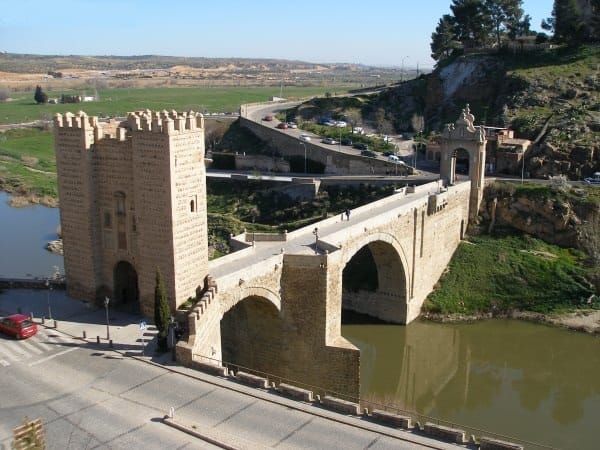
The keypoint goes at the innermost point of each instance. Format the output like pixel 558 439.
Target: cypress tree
pixel 162 312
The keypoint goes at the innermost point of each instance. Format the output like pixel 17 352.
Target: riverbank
pixel 584 320
pixel 29 199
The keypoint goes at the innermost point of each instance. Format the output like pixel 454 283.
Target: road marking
pixel 31 347
pixel 43 360
pixel 11 352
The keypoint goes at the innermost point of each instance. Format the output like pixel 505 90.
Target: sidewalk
pixel 74 318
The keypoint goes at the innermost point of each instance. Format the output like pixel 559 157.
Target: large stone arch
pixel 464 135
pixel 252 334
pixel 389 299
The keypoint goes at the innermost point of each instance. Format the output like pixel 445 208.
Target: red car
pixel 18 325
pixel 282 126
pixel 268 118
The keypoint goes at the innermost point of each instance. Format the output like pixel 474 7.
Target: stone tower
pixel 132 200
pixel 464 136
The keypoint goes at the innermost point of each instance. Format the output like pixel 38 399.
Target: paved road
pixel 90 396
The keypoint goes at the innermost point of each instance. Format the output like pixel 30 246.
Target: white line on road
pixel 43 360
pixel 32 348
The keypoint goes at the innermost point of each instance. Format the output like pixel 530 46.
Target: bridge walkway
pixel 302 241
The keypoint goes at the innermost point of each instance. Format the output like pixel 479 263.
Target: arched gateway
pixel 125 286
pixel 459 137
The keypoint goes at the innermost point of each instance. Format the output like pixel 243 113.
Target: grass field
pixel 117 102
pixel 512 272
pixel 27 162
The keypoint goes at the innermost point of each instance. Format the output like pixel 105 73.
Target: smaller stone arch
pixel 463 134
pixel 125 286
pixel 258 291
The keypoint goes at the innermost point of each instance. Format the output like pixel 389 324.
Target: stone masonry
pixel 132 200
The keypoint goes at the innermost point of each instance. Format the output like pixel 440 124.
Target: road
pixel 90 396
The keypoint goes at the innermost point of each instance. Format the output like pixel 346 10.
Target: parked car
pixel 369 154
pixel 305 137
pixel 594 179
pixel 358 130
pixel 341 124
pixel 18 325
pixel 282 125
pixel 346 141
pixel 394 159
pixel 292 125
pixel 388 153
pixel 361 146
pixel 268 118
pixel 329 141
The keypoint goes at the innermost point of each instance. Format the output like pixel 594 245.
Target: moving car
pixel 361 146
pixel 268 118
pixel 18 325
pixel 282 125
pixel 292 125
pixel 394 159
pixel 594 179
pixel 305 137
pixel 369 154
pixel 329 141
pixel 346 141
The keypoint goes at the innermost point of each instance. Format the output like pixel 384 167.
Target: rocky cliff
pixel 561 215
pixel 551 97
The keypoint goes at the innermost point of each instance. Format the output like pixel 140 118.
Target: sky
pixel 373 32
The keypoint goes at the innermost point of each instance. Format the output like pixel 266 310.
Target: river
pixel 529 381
pixel 24 233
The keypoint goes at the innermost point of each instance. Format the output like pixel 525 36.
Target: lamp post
pixel 316 233
pixel 522 166
pixel 106 302
pixel 48 289
pixel 402 68
pixel 304 145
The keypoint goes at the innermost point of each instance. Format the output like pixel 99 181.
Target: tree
pixel 595 21
pixel 503 15
pixel 40 96
pixel 354 116
pixel 472 23
pixel 568 21
pixel 443 39
pixel 162 312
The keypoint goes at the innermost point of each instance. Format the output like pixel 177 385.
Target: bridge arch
pixel 252 332
pixel 376 279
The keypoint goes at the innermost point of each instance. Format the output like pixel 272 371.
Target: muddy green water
pixel 530 381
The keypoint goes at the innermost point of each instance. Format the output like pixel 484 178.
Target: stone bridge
pixel 275 305
pixel 133 203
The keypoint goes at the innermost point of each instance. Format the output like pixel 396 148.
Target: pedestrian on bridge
pixel 347 214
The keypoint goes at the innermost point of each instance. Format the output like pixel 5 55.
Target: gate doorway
pixel 125 291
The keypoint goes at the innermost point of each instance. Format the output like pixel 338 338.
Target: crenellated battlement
pixel 165 122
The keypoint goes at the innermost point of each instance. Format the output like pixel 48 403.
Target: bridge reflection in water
pixel 524 380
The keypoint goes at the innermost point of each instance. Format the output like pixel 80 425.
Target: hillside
pixel 548 96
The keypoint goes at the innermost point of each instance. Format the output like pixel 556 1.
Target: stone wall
pixel 133 196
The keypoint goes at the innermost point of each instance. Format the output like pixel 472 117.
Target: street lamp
pixel 304 145
pixel 316 233
pixel 48 289
pixel 402 68
pixel 106 302
pixel 522 165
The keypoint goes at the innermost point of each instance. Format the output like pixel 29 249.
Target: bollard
pixel 31 316
pixel 97 339
pixel 171 412
pixel 110 344
pixel 84 335
pixel 55 324
pixel 43 320
pixel 19 310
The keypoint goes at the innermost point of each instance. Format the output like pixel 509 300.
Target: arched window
pixel 120 203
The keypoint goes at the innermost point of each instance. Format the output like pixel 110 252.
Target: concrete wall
pixel 335 162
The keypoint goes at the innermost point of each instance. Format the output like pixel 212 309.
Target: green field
pixel 117 102
pixel 27 162
pixel 512 272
